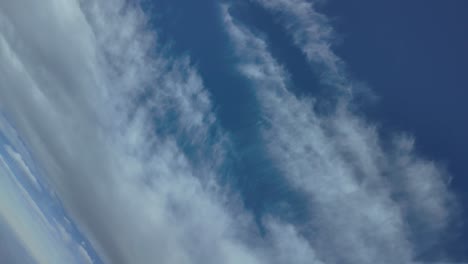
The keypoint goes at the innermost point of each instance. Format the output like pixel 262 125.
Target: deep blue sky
pixel 412 54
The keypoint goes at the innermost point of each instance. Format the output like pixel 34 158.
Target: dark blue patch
pixel 414 55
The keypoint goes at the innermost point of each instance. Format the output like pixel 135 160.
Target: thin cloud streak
pixel 312 33
pixel 21 163
pixel 370 204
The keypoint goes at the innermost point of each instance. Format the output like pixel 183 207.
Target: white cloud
pixel 415 178
pixel 313 34
pixel 289 246
pixel 108 117
pixel 84 255
pixel 369 205
pixel 19 160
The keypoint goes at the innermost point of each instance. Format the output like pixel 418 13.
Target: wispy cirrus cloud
pixel 369 203
pixel 418 177
pixel 314 35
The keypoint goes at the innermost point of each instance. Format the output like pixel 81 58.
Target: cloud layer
pixel 120 130
pixel 126 136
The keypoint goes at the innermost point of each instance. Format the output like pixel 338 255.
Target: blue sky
pixel 282 131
